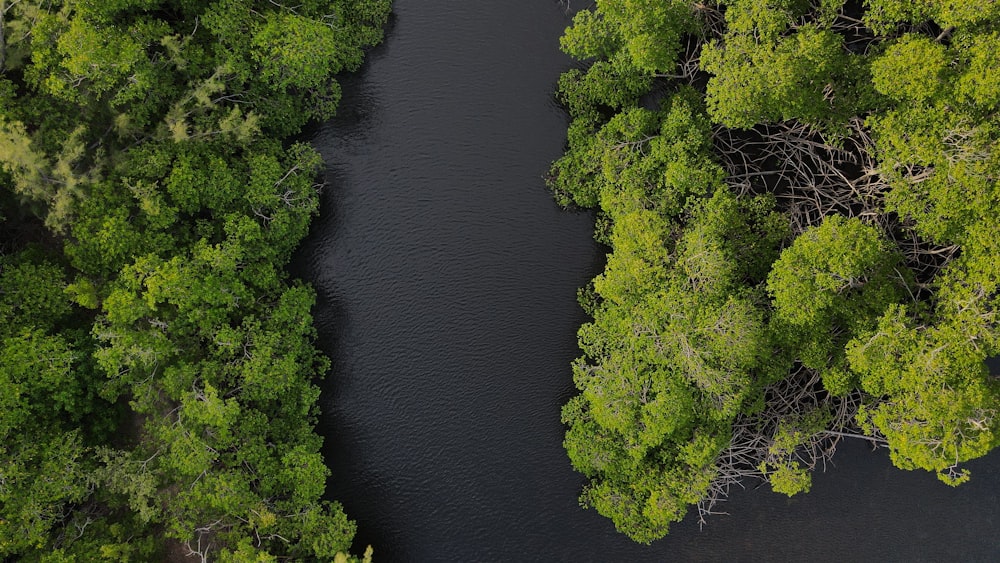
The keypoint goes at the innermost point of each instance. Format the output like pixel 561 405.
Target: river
pixel 447 279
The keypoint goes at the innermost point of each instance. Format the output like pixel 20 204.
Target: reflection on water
pixel 447 282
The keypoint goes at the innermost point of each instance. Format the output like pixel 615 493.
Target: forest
pixel 799 198
pixel 158 371
pixel 800 201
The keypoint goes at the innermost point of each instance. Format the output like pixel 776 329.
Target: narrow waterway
pixel 447 281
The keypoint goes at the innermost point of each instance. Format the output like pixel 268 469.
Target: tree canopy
pixel 798 198
pixel 158 375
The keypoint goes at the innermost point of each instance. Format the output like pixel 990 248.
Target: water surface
pixel 447 281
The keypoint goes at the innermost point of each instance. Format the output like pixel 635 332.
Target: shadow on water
pixel 446 281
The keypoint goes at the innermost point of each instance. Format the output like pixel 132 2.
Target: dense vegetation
pixel 801 200
pixel 157 367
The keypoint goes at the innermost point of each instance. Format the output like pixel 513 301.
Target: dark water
pixel 447 282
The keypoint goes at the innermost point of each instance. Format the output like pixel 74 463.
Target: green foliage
pixel 913 69
pixel 42 455
pixel 634 41
pixel 31 294
pixel 647 32
pixel 50 181
pixel 884 16
pixel 759 74
pixel 939 138
pixel 851 275
pixel 942 403
pixel 152 138
pixel 612 84
pixel 677 346
pixel 656 159
pixel 31 506
pixel 711 323
pixel 295 52
pixel 783 470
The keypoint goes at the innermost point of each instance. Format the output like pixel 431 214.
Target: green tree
pixel 710 357
pixel 941 406
pixel 647 33
pixel 152 136
pixel 764 71
pixel 851 274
